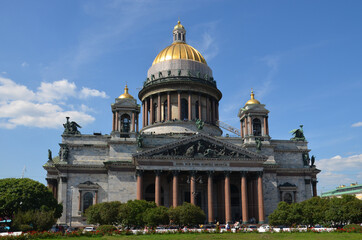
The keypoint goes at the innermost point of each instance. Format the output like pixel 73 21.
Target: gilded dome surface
pixel 179 50
pixel 252 99
pixel 126 94
pixel 178 25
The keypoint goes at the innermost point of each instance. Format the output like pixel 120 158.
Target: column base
pixel 246 222
pixel 261 222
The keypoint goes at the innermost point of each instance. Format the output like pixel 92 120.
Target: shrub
pixel 132 212
pixel 106 229
pixel 106 213
pixel 353 228
pixel 156 216
pixel 40 220
pixel 25 228
pixel 187 215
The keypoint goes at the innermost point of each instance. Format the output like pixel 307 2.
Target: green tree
pixel 24 195
pixel 39 220
pixel 106 213
pixel 347 209
pixel 314 210
pixel 131 213
pixel 281 214
pixel 156 216
pixel 187 214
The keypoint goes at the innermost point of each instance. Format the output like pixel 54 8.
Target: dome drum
pixel 180 67
pixel 180 127
pixel 163 86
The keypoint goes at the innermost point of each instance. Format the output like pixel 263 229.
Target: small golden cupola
pixel 126 94
pixel 252 99
pixel 179 49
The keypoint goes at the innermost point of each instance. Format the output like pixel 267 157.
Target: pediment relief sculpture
pixel 201 149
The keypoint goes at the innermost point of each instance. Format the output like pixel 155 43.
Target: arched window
pixel 184 109
pixel 288 198
pixel 165 110
pixel 125 123
pixel 87 200
pixel 197 110
pixel 235 200
pixel 256 127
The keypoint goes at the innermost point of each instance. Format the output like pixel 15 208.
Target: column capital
pixel 158 172
pixel 227 173
pixel 210 173
pixel 175 172
pixel 243 173
pixel 139 172
pixel 260 173
pixel 193 173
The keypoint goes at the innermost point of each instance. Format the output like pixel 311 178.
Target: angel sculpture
pixel 298 134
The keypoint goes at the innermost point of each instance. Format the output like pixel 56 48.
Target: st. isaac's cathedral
pixel 178 154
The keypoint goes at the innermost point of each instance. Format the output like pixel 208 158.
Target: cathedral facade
pixel 179 154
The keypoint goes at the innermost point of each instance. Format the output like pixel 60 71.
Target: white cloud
pixel 357 124
pixel 87 92
pixel 339 170
pixel 9 90
pixel 20 106
pixel 57 90
pixel 25 64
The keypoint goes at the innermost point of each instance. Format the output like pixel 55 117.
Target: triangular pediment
pixel 199 146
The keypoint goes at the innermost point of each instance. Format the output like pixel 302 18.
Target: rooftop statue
pixel 199 124
pixel 71 127
pixel 312 161
pixel 298 134
pixel 258 144
pixel 49 155
pixel 140 140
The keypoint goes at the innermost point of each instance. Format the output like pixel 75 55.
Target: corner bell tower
pixel 254 121
pixel 125 115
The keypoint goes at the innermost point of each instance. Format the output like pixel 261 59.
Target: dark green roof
pixel 343 190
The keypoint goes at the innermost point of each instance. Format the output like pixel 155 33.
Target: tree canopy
pixel 187 214
pixel 330 211
pixel 132 212
pixel 106 213
pixel 24 195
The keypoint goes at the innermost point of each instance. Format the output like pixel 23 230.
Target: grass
pixel 246 236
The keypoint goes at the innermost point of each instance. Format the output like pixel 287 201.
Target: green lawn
pixel 248 236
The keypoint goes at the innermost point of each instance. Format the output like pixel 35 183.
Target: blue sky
pixel 302 58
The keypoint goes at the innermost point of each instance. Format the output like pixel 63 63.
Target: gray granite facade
pixel 123 165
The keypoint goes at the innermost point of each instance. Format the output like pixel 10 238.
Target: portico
pixel 227 183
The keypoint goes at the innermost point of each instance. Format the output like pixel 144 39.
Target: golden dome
pixel 126 94
pixel 179 50
pixel 178 25
pixel 252 99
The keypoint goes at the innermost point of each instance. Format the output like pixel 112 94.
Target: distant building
pixel 178 153
pixel 354 189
